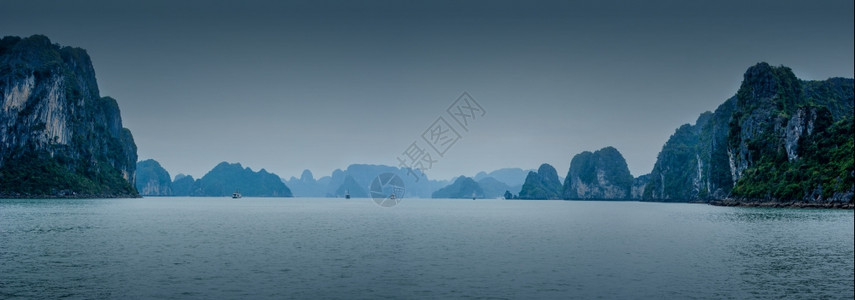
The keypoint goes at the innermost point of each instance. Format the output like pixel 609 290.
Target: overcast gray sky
pixel 288 86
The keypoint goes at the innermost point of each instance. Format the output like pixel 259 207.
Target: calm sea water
pixel 174 248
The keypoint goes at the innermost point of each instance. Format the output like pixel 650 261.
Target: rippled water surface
pixel 173 248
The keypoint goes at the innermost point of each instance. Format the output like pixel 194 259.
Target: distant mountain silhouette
pixel 493 188
pixel 226 178
pixel 463 187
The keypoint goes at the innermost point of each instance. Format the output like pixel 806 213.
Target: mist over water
pixel 334 248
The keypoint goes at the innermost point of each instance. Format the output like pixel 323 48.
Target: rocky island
pixel 58 136
pixel 541 185
pixel 598 175
pixel 780 141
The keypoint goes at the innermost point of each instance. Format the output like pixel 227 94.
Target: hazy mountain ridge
pixel 58 136
pixel 226 178
pixel 307 186
pixel 510 176
pixel 352 188
pixel 493 188
pixel 360 177
pixel 462 188
pixel 223 180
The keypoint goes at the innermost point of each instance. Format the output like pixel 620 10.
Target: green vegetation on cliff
pixel 60 138
pixel 779 139
pixel 825 172
pixel 600 175
pixel 786 142
pixel 676 167
pixel 35 174
pixel 541 185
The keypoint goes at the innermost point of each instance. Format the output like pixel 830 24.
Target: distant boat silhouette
pixel 346 194
pixel 236 195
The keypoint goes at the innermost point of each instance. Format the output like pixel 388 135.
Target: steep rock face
pixel 767 95
pixel 601 175
pixel 776 133
pixel 152 179
pixel 462 188
pixel 679 166
pixel 816 167
pixel 755 145
pixel 55 128
pixel 693 165
pixel 804 122
pixel 638 185
pixel 541 185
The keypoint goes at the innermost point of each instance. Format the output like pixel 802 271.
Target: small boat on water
pixel 346 194
pixel 236 195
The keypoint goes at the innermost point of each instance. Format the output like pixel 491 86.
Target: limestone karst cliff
pixel 778 139
pixel 598 175
pixel 152 179
pixel 541 185
pixel 58 136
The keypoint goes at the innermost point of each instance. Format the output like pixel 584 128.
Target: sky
pixel 319 85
